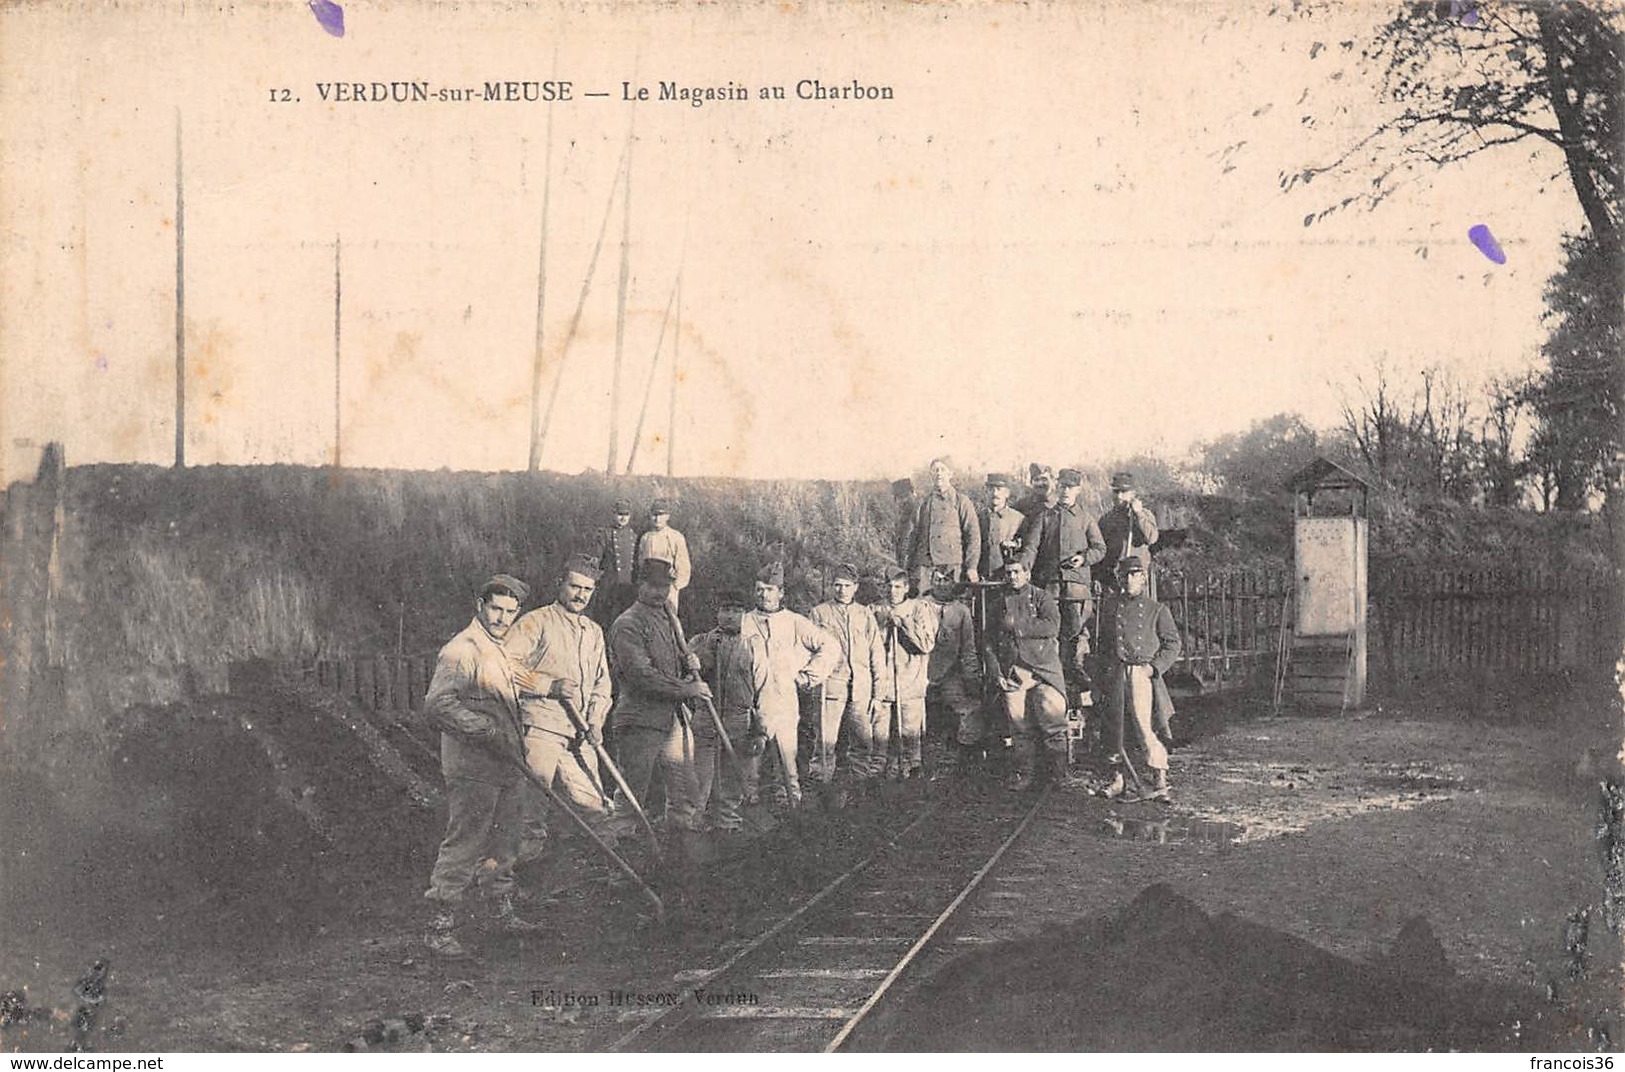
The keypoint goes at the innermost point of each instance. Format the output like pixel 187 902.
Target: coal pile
pixel 1163 975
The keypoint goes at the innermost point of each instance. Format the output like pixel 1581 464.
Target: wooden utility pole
pixel 338 364
pixel 671 414
pixel 649 384
pixel 541 300
pixel 180 304
pixel 620 312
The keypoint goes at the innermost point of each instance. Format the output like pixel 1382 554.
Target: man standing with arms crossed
pixel 800 655
pixel 850 687
pixel 652 722
pixel 666 544
pixel 558 657
pixel 473 703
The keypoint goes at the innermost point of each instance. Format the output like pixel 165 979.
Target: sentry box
pixel 1329 548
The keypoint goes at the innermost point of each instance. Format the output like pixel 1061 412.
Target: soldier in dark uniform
pixel 1140 643
pixel 617 557
pixel 1059 545
pixel 1001 524
pixel 1128 528
pixel 1020 652
pixel 1042 493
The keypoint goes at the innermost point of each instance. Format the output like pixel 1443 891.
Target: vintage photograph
pixel 596 526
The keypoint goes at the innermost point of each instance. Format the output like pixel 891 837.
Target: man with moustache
pixel 559 660
pixel 946 531
pixel 472 701
pixel 799 655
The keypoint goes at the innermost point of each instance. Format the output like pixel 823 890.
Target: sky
pixel 1063 238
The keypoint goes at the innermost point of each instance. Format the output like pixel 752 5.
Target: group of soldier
pixel 983 629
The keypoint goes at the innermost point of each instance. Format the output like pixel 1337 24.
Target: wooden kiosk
pixel 1329 533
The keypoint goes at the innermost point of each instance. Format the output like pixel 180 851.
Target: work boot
pixel 505 915
pixel 1114 788
pixel 440 940
pixel 1060 772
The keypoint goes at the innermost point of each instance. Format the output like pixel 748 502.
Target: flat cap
pixel 1070 478
pixel 584 564
pixel 506 582
pixel 659 506
pixel 846 571
pixel 623 506
pixel 1038 469
pixel 772 573
pixel 657 570
pixel 1122 481
pixel 998 480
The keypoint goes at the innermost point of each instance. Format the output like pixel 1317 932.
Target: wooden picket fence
pixel 1422 623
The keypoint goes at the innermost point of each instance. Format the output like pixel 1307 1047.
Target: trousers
pixel 483 822
pixel 1130 696
pixel 910 728
pixel 572 772
pixel 643 750
pixel 1037 715
pixel 720 780
pixel 956 702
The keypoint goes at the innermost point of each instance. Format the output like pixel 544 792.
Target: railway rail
pixel 809 980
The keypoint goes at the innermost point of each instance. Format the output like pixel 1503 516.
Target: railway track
pixel 806 983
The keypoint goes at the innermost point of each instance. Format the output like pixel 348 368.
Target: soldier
pixel 1140 644
pixel 851 684
pixel 618 559
pixel 472 702
pixel 908 632
pixel 652 722
pixel 1043 493
pixel 799 656
pixel 1128 528
pixel 1059 545
pixel 953 696
pixel 558 657
pixel 664 543
pixel 1020 651
pixel 1001 526
pixel 736 668
pixel 945 532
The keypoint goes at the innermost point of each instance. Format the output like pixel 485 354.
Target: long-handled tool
pixel 614 772
pixel 686 652
pixel 586 828
pixel 896 694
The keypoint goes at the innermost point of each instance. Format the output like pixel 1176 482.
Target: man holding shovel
pixel 472 701
pixel 564 693
pixel 908 633
pixel 736 668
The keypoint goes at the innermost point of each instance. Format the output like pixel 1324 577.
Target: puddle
pixel 1173 831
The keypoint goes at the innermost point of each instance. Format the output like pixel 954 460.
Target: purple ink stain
pixel 101 364
pixel 330 15
pixel 1480 236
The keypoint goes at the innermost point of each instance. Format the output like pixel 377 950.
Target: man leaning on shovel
pixel 472 701
pixel 564 692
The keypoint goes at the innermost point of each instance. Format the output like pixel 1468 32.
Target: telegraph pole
pixel 180 304
pixel 620 312
pixel 541 298
pixel 338 366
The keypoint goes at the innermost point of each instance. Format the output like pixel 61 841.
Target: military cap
pixel 904 486
pixel 895 573
pixel 659 506
pixel 943 573
pixel 657 569
pixel 1070 478
pixel 584 564
pixel 772 573
pixel 623 506
pixel 997 480
pixel 846 571
pixel 1122 481
pixel 500 582
pixel 1129 565
pixel 1038 469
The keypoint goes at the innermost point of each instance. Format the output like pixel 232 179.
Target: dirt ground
pixel 232 923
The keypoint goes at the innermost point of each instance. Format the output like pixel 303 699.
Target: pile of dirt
pixel 1164 975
